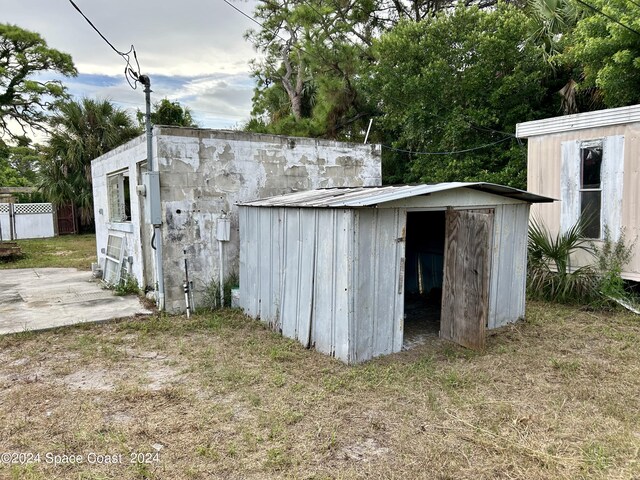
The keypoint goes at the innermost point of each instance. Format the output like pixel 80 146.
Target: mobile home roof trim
pixel 579 121
pixel 371 196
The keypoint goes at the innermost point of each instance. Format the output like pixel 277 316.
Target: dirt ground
pixel 218 396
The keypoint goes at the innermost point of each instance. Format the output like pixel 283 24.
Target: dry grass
pixel 218 396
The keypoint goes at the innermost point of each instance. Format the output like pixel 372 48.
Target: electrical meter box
pixel 223 230
pixel 153 212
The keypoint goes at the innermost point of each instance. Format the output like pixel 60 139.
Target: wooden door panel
pixel 467 260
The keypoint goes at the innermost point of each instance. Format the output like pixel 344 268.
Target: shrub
pixel 611 257
pixel 128 286
pixel 599 283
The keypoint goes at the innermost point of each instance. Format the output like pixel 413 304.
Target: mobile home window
pixel 119 192
pixel 591 187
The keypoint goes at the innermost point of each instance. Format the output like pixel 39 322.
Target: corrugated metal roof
pixel 579 121
pixel 370 196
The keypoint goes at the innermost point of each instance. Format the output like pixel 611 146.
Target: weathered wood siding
pixel 544 177
pixel 467 264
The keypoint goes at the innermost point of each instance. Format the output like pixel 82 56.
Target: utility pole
pixel 153 192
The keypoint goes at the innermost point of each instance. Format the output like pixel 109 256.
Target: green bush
pixel 128 286
pixel 611 257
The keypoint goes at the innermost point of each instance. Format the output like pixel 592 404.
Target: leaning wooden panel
pixel 466 277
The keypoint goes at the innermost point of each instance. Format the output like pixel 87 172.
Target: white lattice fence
pixel 26 220
pixel 32 208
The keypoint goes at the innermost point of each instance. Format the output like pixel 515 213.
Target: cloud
pixel 216 101
pixel 193 51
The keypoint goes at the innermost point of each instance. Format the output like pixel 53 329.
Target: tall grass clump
pixel 211 298
pixel 611 257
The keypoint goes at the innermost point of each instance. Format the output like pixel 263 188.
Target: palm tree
pixel 83 131
pixel 551 19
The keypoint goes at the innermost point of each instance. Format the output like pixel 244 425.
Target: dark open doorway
pixel 424 266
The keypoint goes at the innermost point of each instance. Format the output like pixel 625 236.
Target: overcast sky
pixel 193 50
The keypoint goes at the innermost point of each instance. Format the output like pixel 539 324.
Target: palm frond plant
pixel 551 275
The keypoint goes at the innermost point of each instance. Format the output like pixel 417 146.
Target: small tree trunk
pixel 294 92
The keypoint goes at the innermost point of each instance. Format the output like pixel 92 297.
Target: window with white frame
pixel 591 185
pixel 119 192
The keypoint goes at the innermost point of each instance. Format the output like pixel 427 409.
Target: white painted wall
pixel 125 157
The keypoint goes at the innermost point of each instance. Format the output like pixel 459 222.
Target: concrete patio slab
pixel 41 298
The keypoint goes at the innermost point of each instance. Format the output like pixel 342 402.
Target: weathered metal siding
pixel 261 266
pixel 296 308
pixel 295 273
pixel 378 282
pixel 508 277
pixel 544 178
pixel 333 278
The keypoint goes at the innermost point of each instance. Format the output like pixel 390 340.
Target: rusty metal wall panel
pixel 330 319
pixel 249 254
pixel 298 279
pixel 295 273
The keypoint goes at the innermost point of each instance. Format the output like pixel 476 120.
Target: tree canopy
pixel 26 97
pixel 19 164
pixel 459 82
pixel 166 112
pixel 445 82
pixel 604 48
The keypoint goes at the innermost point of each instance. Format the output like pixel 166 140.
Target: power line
pixel 275 33
pixel 446 153
pixel 132 76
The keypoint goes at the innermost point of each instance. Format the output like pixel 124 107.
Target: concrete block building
pixel 203 175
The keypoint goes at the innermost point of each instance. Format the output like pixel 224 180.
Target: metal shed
pixel 353 271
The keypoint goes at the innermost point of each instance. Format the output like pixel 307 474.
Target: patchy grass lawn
pixel 67 251
pixel 218 396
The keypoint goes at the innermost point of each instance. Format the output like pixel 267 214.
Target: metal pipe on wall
pixel 157 232
pixel 223 233
pixel 187 285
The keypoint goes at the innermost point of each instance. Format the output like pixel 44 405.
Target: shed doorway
pixel 424 270
pixel 447 252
